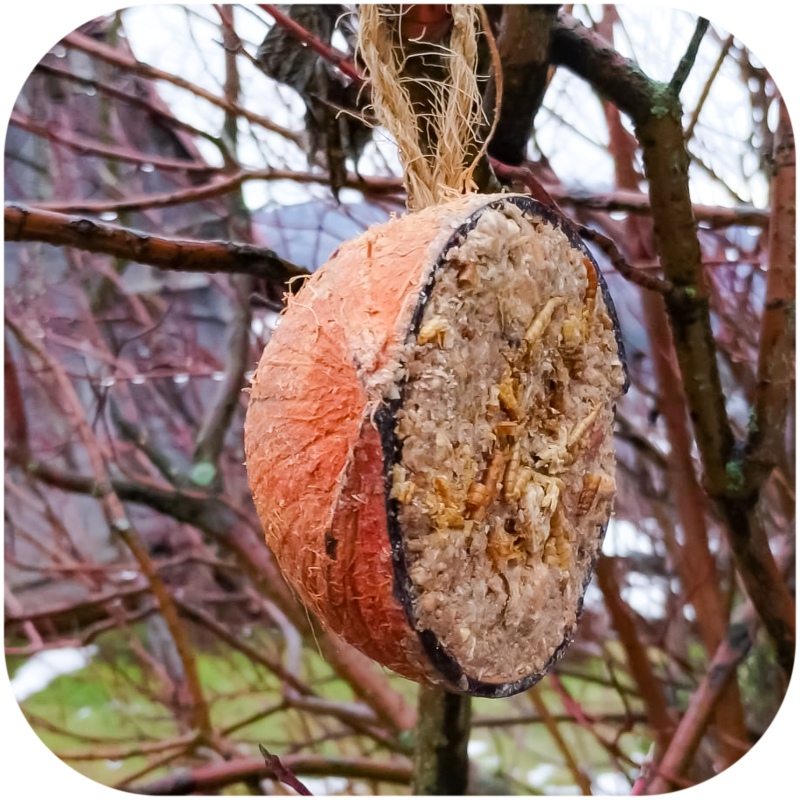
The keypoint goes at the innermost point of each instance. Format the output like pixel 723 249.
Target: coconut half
pixel 429 440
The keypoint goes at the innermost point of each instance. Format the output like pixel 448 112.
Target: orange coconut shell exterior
pixel 314 453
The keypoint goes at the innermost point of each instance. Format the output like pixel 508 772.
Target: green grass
pixel 114 702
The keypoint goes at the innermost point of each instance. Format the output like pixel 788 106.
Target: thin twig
pixel 340 60
pixel 119 522
pixel 689 732
pixel 687 62
pixel 118 58
pixel 581 779
pixel 218 188
pixel 91 147
pixel 283 773
pixel 701 101
pixel 651 282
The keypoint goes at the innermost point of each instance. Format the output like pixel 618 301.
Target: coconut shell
pixel 321 441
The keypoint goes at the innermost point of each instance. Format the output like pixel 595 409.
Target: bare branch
pixel 112 55
pixel 687 62
pixel 185 255
pixel 91 147
pixel 689 732
pixel 120 524
pixel 218 188
pixel 213 777
pixel 776 342
pixel 341 61
pixel 649 282
pixel 723 54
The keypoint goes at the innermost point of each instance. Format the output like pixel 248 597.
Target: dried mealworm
pixel 595 488
pixel 582 426
pixel 590 297
pixel 481 495
pixel 433 330
pixel 542 320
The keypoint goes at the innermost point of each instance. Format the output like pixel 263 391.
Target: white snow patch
pixel 38 671
pixel 611 783
pixel 538 776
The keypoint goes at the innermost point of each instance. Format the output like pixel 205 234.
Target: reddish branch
pixel 217 188
pixel 185 255
pixel 650 687
pixel 333 56
pixel 214 777
pixel 121 526
pixel 776 342
pixel 283 773
pixel 689 733
pixel 91 147
pixel 118 58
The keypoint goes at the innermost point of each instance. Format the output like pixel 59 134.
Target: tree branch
pixel 213 777
pixel 700 708
pixel 91 147
pixel 184 255
pixel 524 45
pixel 767 438
pixel 116 57
pixel 441 763
pixel 333 56
pixel 656 113
pixel 687 62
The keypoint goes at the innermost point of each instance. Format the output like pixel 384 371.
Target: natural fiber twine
pixel 456 115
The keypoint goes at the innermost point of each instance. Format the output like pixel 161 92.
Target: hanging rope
pixel 455 117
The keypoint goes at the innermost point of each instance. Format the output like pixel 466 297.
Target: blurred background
pixel 150 640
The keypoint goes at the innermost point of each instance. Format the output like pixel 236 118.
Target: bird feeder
pixel 429 440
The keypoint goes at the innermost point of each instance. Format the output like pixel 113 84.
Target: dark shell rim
pixel 385 421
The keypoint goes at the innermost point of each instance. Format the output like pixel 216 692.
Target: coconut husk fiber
pixel 429 440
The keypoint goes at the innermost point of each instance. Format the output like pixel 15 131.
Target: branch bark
pixel 213 777
pixel 656 113
pixel 524 45
pixel 650 687
pixel 25 224
pixel 441 763
pixel 118 58
pixel 718 679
